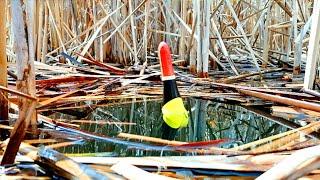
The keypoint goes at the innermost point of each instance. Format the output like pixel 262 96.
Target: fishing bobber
pixel 174 114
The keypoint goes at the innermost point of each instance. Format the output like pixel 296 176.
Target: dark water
pixel 208 121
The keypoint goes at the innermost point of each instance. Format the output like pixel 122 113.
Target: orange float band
pixel 167 71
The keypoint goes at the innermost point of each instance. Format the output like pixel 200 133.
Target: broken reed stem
pixel 30 23
pixel 4 110
pixel 243 76
pixel 63 165
pixel 296 132
pixel 18 133
pixel 26 76
pixel 150 139
pixel 57 29
pixel 44 44
pixel 313 53
pixel 2 88
pixel 283 100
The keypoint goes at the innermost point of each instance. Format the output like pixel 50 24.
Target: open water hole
pixel 209 120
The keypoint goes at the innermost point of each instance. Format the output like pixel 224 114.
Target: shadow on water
pixel 208 121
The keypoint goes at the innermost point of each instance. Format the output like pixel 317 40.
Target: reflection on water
pixel 208 121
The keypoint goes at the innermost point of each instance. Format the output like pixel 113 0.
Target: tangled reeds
pixel 74 56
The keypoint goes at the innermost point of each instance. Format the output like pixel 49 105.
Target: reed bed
pixel 203 34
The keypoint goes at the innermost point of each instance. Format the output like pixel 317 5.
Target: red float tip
pixel 167 71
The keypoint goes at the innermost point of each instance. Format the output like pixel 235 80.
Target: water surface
pixel 208 121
